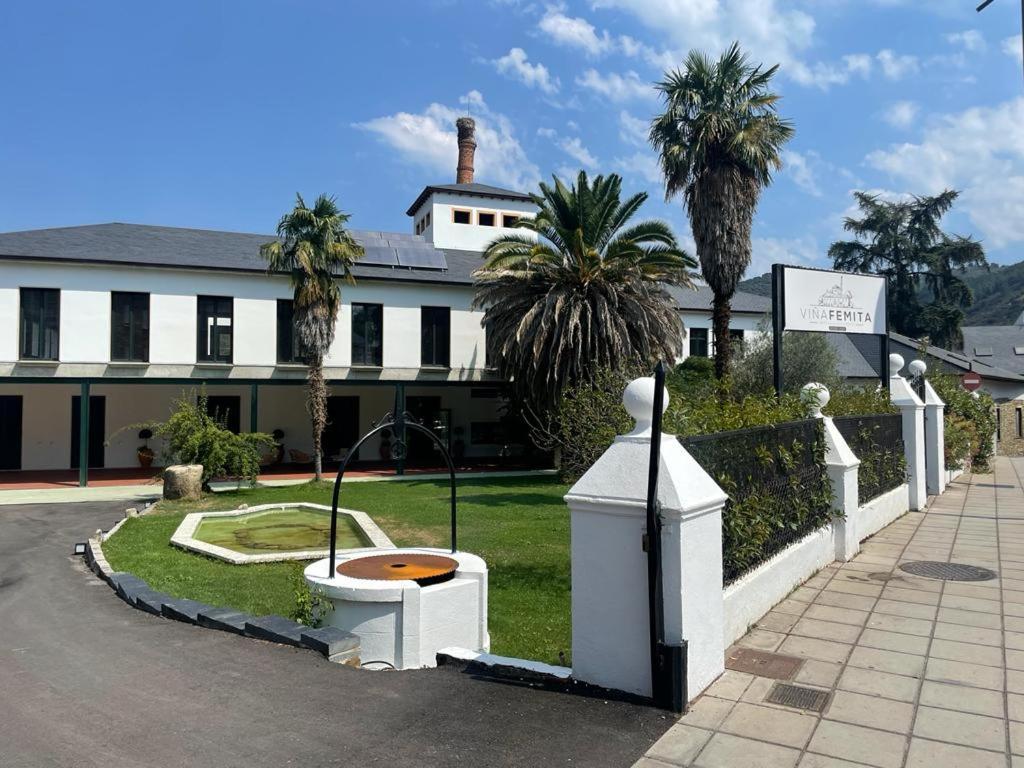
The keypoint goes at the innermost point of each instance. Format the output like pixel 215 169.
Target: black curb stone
pixel 276 629
pixel 331 642
pixel 148 600
pixel 225 619
pixel 183 609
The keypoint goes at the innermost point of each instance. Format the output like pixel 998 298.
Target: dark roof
pixel 700 300
pixel 951 361
pixel 145 245
pixel 1000 341
pixel 480 190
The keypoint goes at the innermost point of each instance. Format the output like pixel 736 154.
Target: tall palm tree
pixel 584 290
pixel 314 248
pixel 719 140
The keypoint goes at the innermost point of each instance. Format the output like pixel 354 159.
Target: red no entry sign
pixel 971 381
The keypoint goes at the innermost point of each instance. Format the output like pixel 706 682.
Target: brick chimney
pixel 467 148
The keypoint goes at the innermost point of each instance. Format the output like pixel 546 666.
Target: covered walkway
pixel 913 671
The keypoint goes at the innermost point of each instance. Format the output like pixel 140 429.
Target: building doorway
pixel 427 410
pixel 342 426
pixel 97 426
pixel 227 410
pixel 10 428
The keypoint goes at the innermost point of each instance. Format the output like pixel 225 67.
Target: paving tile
pixel 777 622
pixel 707 712
pixel 894 641
pixel 888 661
pixel 811 648
pixel 903 624
pixel 965 634
pixel 761 639
pixel 871 711
pixel 933 754
pixel 843 600
pixel 826 630
pixel 1017 738
pixel 1014 659
pixel 911 596
pixel 821 761
pixel 790 729
pixel 962 698
pixel 679 745
pixel 793 607
pixel 1014 640
pixel 975 654
pixel 837 614
pixel 1015 681
pixel 1015 706
pixel 803 594
pixel 913 610
pixel 726 750
pixel 969 604
pixel 647 762
pixel 859 744
pixel 970 618
pixel 854 588
pixel 819 673
pixel 960 728
pixel 730 685
pixel 757 690
pixel 962 673
pixel 878 683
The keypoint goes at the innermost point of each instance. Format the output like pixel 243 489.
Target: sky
pixel 214 114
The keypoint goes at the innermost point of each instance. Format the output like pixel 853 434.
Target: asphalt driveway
pixel 85 680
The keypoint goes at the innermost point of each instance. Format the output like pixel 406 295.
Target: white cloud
pixel 573 147
pixel 516 65
pixel 632 130
pixel 979 151
pixel 969 39
pixel 901 114
pixel 897 66
pixel 641 164
pixel 799 168
pixel 1012 46
pixel 574 32
pixel 616 87
pixel 765 251
pixel 428 139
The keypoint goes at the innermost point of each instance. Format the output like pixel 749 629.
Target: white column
pixel 934 433
pixel 912 410
pixel 842 467
pixel 610 637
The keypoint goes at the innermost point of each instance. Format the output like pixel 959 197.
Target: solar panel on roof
pixel 1018 350
pixel 379 256
pixel 421 258
pixel 983 351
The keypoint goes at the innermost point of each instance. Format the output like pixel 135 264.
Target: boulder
pixel 183 481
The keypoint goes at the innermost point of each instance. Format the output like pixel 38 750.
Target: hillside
pixel 998 293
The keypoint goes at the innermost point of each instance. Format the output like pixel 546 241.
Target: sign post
pixel 826 301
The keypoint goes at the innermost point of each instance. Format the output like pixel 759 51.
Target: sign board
pixel 971 381
pixel 833 302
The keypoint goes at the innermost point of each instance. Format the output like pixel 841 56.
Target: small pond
pixel 284 530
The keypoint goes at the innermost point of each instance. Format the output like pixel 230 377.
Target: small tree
pixel 805 357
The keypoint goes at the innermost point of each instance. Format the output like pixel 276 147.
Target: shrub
pixel 805 357
pixel 852 400
pixel 970 423
pixel 192 436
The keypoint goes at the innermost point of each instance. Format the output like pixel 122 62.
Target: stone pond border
pixel 184 536
pixel 335 644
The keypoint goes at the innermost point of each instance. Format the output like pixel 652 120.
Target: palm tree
pixel 314 248
pixel 583 291
pixel 903 241
pixel 719 140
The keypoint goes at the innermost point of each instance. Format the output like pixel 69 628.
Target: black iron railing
pixel 777 484
pixel 877 441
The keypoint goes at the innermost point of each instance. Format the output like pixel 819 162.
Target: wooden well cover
pixel 412 566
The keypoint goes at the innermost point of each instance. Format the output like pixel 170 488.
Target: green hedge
pixel 970 423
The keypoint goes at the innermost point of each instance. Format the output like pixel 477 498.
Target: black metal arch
pixel 399 425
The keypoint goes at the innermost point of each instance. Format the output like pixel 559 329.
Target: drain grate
pixel 762 663
pixel 934 569
pixel 797 697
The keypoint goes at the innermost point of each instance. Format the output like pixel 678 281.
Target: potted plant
pixel 144 452
pixel 278 445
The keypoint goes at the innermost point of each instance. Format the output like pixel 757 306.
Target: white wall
pixel 691 319
pixel 445 233
pixel 85 313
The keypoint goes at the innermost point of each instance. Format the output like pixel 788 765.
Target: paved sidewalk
pixel 921 672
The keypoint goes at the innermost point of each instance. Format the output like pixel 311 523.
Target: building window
pixel 509 219
pixel 426 220
pixel 461 216
pixel 40 324
pixel 214 327
pixel 289 345
pixel 999 425
pixel 435 336
pixel 129 327
pixel 698 342
pixel 485 219
pixel 1020 424
pixel 368 334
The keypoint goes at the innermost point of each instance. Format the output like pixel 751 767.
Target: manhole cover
pixel 933 569
pixel 762 663
pixel 798 697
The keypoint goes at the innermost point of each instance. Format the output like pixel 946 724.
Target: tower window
pixel 461 216
pixel 509 219
pixel 485 219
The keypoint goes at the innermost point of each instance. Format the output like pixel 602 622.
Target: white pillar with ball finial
pixel 610 635
pixel 843 468
pixel 912 408
pixel 934 432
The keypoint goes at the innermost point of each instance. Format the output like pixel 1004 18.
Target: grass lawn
pixel 519 525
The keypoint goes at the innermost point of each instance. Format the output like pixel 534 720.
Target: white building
pixel 130 317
